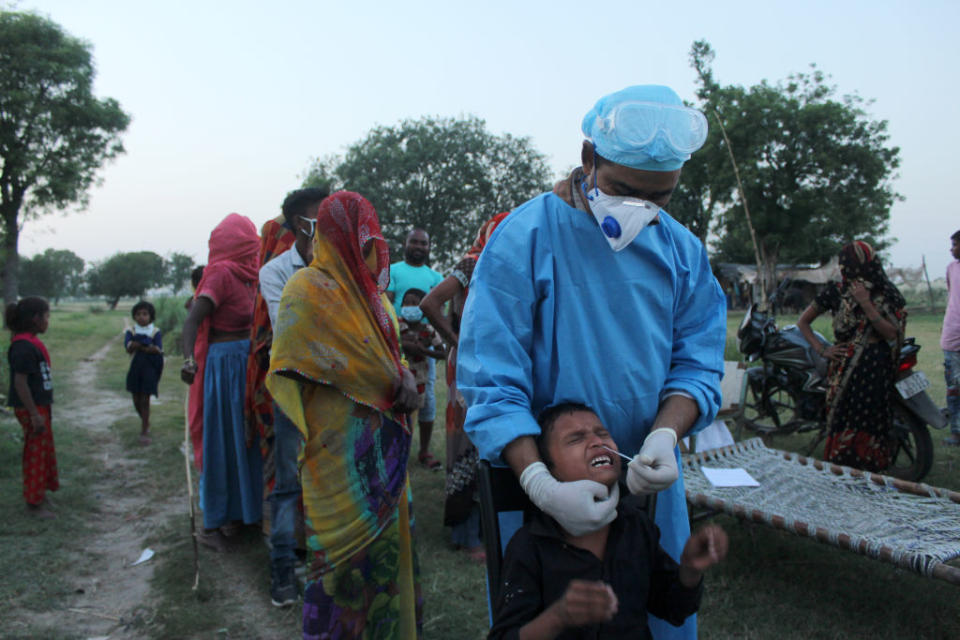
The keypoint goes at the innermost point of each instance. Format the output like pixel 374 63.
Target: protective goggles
pixel 634 125
pixel 313 226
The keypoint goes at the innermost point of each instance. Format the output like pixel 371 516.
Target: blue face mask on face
pixel 411 313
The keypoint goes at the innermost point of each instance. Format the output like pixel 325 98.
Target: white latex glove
pixel 580 507
pixel 655 467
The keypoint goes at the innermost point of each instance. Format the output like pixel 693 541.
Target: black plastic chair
pixel 500 491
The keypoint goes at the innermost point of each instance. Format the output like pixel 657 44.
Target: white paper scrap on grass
pixel 146 555
pixel 729 477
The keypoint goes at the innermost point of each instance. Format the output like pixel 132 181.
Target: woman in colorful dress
pixel 216 341
pixel 868 324
pixel 336 370
pixel 460 510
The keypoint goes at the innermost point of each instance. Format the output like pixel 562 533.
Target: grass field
pixel 773 585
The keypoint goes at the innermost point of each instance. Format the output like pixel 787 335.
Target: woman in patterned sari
pixel 460 510
pixel 868 325
pixel 337 372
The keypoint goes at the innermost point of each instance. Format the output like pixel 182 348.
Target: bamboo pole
pixel 193 514
pixel 923 261
pixel 746 211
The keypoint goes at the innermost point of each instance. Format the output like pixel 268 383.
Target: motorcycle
pixel 786 395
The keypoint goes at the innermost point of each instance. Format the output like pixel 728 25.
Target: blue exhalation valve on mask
pixel 611 228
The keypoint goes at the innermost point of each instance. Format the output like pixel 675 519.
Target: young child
pixel 601 584
pixel 145 345
pixel 31 394
pixel 420 341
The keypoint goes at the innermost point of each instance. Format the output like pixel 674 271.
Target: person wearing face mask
pixel 413 273
pixel 419 340
pixel 283 440
pixel 337 370
pixel 593 293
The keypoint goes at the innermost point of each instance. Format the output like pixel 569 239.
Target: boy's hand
pixel 586 603
pixel 705 548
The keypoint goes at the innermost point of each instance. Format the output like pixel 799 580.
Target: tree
pixel 126 274
pixel 54 134
pixel 178 267
pixel 54 274
pixel 816 170
pixel 443 175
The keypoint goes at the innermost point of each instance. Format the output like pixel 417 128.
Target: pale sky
pixel 231 100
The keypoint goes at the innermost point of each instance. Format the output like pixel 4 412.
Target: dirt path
pixel 109 593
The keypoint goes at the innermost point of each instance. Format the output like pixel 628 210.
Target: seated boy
pixel 602 584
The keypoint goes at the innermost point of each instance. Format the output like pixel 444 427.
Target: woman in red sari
pixel 460 511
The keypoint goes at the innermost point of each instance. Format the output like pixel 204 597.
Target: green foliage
pixel 816 170
pixel 179 266
pixel 444 175
pixel 171 313
pixel 126 274
pixel 54 133
pixel 53 274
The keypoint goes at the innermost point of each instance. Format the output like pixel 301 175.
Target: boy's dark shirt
pixel 25 358
pixel 539 565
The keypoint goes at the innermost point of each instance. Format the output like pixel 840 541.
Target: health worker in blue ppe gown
pixel 594 294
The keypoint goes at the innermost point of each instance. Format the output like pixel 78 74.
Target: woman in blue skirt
pixel 216 342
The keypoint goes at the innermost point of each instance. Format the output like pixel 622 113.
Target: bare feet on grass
pixel 41 511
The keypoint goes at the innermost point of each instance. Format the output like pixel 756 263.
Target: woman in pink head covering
pixel 215 346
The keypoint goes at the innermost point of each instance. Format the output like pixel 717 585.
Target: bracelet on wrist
pixel 189 361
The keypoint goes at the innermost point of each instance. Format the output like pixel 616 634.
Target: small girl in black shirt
pixel 31 395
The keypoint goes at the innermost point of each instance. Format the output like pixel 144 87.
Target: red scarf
pixel 483 236
pixel 235 247
pixel 35 341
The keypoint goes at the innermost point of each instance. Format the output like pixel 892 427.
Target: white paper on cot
pixel 729 477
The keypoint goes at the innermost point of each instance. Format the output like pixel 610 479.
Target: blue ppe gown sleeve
pixel 700 324
pixel 497 382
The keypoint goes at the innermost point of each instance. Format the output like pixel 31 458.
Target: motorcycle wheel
pixel 913 456
pixel 774 411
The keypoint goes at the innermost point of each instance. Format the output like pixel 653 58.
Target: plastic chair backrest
pixel 499 491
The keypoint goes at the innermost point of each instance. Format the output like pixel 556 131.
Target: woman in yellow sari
pixel 336 370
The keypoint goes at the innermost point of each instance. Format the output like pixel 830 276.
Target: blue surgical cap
pixel 645 127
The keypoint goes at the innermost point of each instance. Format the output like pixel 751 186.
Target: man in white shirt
pixel 300 213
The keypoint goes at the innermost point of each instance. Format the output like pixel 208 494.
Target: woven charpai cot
pixel 911 525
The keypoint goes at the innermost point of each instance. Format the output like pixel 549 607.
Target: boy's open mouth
pixel 602 460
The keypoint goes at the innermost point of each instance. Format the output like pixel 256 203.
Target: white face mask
pixel 620 218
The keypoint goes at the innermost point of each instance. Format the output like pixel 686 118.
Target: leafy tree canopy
pixel 126 274
pixel 54 274
pixel 444 175
pixel 54 133
pixel 178 267
pixel 816 170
